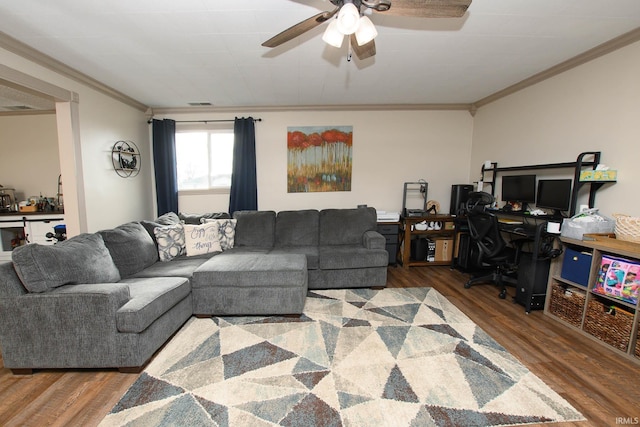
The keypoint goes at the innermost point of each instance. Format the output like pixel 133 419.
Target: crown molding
pixel 26 113
pixel 591 54
pixel 25 51
pixel 284 108
pixel 9 43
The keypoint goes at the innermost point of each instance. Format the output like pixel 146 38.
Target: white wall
pixel 593 107
pixel 110 200
pixel 29 162
pixel 389 148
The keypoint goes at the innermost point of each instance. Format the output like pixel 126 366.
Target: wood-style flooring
pixel 601 384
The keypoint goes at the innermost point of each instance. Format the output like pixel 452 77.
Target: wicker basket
pixel 614 329
pixel 568 306
pixel 627 228
pixel 638 345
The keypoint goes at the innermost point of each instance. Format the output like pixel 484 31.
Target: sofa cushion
pixel 346 226
pixel 201 239
pixel 131 248
pixel 81 259
pixel 347 256
pixel 168 219
pixel 195 219
pixel 149 299
pixel 226 231
pixel 297 228
pixel 182 266
pixel 255 228
pixel 311 252
pixel 170 240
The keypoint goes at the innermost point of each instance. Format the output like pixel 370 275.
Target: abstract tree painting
pixel 319 158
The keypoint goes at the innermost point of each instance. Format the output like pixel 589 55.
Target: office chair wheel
pixel 503 294
pixel 467 285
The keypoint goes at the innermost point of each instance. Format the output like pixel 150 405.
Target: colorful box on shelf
pixel 598 175
pixel 618 278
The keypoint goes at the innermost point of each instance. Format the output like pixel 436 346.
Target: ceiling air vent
pixel 200 104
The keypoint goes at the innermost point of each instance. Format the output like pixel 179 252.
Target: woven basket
pixel 627 228
pixel 638 345
pixel 615 330
pixel 568 306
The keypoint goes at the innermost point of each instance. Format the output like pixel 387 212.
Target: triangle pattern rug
pixel 356 357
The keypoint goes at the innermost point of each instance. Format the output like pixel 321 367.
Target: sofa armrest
pixel 373 240
pixel 70 318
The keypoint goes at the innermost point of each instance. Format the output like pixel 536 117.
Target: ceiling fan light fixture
pixel 366 31
pixel 348 19
pixel 332 35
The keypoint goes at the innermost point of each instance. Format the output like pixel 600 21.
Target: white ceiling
pixel 169 53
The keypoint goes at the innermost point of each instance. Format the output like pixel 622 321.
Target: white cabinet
pixel 37 229
pixel 19 229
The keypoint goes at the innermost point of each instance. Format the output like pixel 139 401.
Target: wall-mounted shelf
pixel 577 166
pixel 125 158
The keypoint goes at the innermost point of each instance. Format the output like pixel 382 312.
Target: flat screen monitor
pixel 519 188
pixel 554 194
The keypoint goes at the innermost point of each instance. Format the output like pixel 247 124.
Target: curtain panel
pixel 244 186
pixel 164 159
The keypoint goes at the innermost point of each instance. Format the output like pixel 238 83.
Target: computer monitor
pixel 554 194
pixel 519 188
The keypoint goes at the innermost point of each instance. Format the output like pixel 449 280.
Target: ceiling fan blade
pixel 365 51
pixel 300 28
pixel 428 8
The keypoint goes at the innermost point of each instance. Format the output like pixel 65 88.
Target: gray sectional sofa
pixel 111 299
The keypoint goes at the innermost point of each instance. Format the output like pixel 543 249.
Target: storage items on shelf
pixel 567 303
pixel 627 228
pixel 587 222
pixel 576 266
pixel 609 323
pixel 600 306
pixel 618 278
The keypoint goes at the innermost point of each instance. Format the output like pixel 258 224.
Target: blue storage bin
pixel 576 266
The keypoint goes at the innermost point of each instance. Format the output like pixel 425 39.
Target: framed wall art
pixel 319 158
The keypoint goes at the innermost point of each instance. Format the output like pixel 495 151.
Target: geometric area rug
pixel 356 357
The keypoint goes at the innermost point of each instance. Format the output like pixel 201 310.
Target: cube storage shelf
pixel 608 320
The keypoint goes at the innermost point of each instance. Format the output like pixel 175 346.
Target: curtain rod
pixel 205 121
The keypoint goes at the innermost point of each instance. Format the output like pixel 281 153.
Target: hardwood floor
pixel 602 385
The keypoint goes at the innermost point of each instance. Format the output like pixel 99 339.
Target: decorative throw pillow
pixel 201 239
pixel 170 240
pixel 226 231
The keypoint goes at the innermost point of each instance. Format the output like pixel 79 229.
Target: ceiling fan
pixel 351 21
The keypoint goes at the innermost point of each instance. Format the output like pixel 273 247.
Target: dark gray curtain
pixel 164 159
pixel 244 186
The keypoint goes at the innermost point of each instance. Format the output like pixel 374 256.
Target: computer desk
pixel 528 232
pixel 535 261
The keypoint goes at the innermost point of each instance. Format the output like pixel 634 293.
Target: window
pixel 204 159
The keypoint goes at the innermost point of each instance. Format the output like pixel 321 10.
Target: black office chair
pixel 492 252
